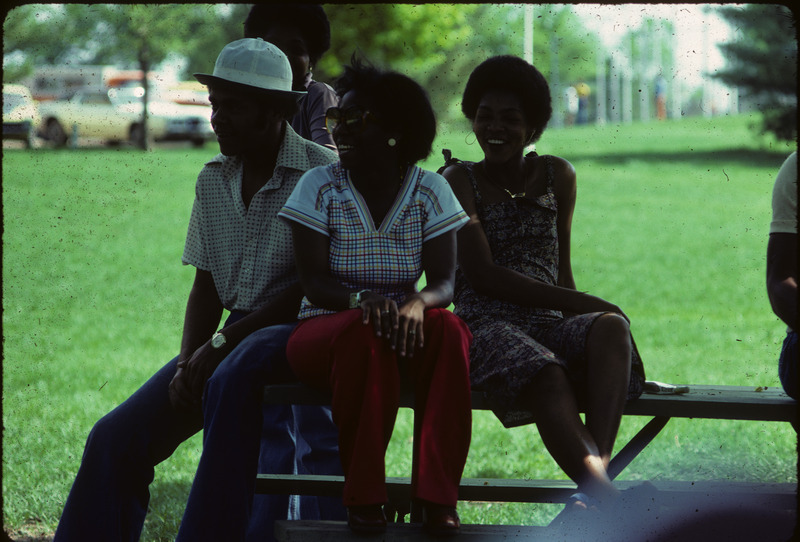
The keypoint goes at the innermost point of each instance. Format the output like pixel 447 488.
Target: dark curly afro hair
pixel 310 19
pixel 511 74
pixel 398 102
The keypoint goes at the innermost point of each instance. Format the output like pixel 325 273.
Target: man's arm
pixel 198 359
pixel 203 313
pixel 782 276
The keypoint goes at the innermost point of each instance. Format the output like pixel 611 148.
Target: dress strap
pixel 551 175
pixel 449 160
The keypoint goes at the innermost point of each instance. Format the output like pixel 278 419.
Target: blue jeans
pixel 110 495
pixel 787 365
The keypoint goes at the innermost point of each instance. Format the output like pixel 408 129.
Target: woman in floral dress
pixel 540 346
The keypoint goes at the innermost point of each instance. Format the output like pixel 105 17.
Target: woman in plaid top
pixel 364 230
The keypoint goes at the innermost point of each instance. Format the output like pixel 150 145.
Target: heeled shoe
pixel 440 520
pixel 368 519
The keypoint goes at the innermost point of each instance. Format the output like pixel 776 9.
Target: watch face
pixel 217 340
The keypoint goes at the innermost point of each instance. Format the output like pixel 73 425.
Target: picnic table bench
pixel 700 401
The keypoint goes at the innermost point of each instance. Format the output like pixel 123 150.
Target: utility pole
pixel 527 47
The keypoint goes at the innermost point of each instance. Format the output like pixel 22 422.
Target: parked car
pixel 184 122
pixel 115 116
pixel 20 114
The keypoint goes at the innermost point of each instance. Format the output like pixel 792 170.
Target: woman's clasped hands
pixel 400 325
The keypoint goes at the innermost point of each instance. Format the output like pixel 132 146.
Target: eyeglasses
pixel 353 118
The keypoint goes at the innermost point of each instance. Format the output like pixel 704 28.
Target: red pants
pixel 338 353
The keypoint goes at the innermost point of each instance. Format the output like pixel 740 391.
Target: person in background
pixel 782 268
pixel 540 345
pixel 303 33
pixel 661 97
pixel 366 228
pixel 244 263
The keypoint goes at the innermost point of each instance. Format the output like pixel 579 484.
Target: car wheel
pixel 55 133
pixel 197 143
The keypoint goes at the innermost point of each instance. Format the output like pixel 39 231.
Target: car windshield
pixel 11 102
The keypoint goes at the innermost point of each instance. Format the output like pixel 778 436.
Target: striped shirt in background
pixel 385 259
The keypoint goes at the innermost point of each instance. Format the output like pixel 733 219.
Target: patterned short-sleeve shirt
pixel 248 250
pixel 386 259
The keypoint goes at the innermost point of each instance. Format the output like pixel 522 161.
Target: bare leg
pixel 565 436
pixel 584 451
pixel 608 352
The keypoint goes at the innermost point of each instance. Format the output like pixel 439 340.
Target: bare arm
pixel 782 276
pixel 203 313
pixel 492 280
pixel 198 359
pixel 311 250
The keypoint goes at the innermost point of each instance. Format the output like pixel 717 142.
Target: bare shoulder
pixel 457 177
pixel 562 169
pixel 455 173
pixel 461 185
pixel 564 176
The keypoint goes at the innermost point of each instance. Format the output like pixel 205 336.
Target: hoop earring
pixel 474 138
pixel 392 142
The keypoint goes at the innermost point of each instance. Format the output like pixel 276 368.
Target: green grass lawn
pixel 671 224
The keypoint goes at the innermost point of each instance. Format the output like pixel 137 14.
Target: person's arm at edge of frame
pixel 782 276
pixel 492 280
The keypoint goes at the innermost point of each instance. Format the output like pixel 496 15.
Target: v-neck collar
pixel 406 188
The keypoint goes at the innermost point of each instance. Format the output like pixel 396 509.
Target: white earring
pixel 392 142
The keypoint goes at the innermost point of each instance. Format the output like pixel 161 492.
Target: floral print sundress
pixel 511 343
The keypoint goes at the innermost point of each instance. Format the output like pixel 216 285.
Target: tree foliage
pixel 436 44
pixel 762 62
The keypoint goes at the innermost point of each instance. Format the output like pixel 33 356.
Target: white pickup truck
pixel 115 116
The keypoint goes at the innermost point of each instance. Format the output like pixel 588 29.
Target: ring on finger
pixel 412 331
pixel 385 312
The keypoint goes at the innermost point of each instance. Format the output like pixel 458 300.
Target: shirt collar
pixel 290 157
pixel 291 154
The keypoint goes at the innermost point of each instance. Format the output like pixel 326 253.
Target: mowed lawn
pixel 671 224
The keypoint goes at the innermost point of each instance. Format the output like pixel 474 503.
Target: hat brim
pixel 208 79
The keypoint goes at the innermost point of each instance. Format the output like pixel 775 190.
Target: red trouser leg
pixel 440 374
pixel 339 353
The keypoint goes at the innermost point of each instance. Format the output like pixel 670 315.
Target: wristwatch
pixel 355 299
pixel 218 340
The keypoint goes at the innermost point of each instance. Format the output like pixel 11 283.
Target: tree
pixel 762 62
pixel 436 44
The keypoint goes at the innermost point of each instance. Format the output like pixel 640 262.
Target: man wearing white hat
pixel 244 263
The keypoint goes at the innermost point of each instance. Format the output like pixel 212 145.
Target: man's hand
pixel 186 387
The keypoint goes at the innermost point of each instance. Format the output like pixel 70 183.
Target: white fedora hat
pixel 254 63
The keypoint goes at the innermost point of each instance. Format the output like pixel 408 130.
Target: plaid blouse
pixel 387 259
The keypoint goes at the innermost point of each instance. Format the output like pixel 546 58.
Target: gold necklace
pixel 506 190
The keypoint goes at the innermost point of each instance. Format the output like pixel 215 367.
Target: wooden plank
pixel 541 491
pixel 334 531
pixel 719 402
pixel 702 401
